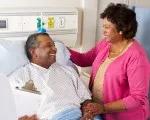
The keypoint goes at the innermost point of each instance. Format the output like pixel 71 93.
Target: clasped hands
pixel 90 109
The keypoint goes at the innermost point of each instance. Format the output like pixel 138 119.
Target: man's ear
pixel 33 52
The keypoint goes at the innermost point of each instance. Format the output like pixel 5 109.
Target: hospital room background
pixel 74 22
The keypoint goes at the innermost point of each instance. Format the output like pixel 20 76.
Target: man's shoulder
pixel 66 68
pixel 20 70
pixel 59 66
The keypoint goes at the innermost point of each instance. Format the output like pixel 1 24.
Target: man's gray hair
pixel 32 42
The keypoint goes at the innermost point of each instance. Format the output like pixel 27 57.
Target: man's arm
pixel 81 89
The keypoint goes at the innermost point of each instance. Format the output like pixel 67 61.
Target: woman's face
pixel 110 31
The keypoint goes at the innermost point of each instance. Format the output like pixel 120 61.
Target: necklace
pixel 119 51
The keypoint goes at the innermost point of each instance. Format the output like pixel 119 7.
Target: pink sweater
pixel 126 78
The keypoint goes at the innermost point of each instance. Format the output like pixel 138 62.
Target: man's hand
pixel 26 117
pixel 87 116
pixel 84 104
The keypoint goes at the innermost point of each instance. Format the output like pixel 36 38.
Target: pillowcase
pixel 63 54
pixel 12 55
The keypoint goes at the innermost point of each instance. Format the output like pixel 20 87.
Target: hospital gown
pixel 60 86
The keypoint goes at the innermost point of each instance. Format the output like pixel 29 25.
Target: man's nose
pixel 54 49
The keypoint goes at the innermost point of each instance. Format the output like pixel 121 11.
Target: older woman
pixel 120 68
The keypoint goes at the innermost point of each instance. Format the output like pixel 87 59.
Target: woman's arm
pixel 86 59
pixel 83 59
pixel 138 79
pixel 97 108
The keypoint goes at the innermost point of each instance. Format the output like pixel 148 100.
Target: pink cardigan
pixel 126 78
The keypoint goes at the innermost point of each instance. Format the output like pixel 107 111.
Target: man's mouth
pixel 52 54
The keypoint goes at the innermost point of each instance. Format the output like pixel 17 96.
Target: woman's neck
pixel 119 46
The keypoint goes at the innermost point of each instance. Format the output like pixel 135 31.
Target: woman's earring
pixel 120 32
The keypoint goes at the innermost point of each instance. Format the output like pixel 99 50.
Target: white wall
pixel 40 3
pixel 90 8
pixel 89 23
pixel 142 3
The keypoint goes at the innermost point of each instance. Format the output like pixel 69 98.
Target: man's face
pixel 45 52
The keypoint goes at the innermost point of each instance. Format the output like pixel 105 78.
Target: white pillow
pixel 12 55
pixel 63 54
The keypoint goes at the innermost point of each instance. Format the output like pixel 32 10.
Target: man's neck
pixel 41 65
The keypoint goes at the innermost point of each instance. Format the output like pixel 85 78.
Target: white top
pixel 60 86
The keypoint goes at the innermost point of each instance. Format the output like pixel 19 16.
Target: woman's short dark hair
pixel 32 42
pixel 123 17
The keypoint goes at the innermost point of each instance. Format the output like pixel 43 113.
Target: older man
pixel 62 90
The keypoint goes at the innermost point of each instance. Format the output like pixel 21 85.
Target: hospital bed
pixel 62 24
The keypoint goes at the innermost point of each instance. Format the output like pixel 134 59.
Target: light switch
pixel 61 22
